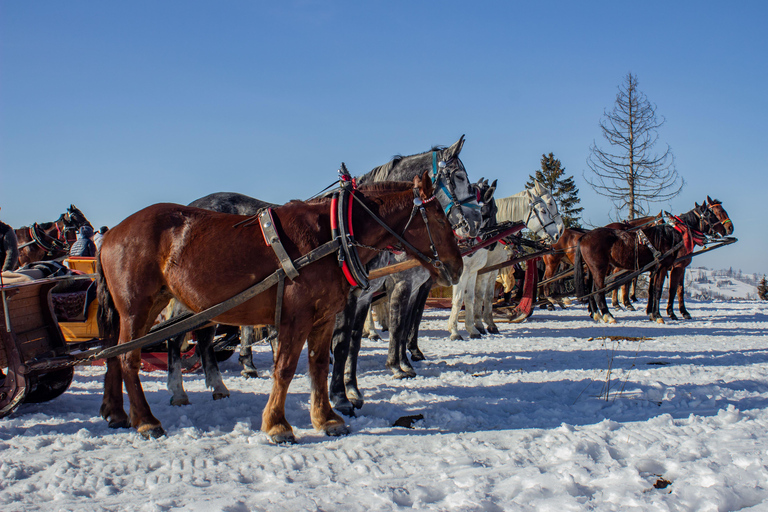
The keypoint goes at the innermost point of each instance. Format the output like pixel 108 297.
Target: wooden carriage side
pixel 29 332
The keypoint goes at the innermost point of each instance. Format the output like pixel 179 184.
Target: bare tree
pixel 631 174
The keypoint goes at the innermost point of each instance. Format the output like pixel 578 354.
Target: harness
pixel 445 192
pixel 691 237
pixel 342 240
pixel 533 211
pixel 36 233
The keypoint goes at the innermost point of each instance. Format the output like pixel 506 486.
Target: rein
pixel 444 186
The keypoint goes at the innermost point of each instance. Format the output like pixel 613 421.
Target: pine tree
pixel 563 189
pixel 762 289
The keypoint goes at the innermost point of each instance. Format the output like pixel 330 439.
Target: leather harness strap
pixel 273 240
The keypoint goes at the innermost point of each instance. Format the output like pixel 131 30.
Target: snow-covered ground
pixel 704 283
pixel 530 419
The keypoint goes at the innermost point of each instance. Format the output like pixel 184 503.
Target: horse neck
pixel 690 219
pixel 399 169
pixel 394 209
pixel 513 208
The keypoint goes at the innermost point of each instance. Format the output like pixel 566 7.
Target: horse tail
pixel 578 268
pixel 107 317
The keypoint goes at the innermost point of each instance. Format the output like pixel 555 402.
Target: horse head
pixel 717 217
pixel 455 193
pixel 544 219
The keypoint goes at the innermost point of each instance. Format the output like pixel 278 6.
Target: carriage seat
pixel 72 305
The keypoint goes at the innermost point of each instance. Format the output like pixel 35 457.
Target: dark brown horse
pixel 628 290
pixel 565 247
pixel 604 248
pixel 677 274
pixel 202 258
pixel 50 240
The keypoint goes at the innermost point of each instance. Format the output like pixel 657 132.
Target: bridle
pixel 533 211
pixel 445 191
pixel 341 228
pixel 709 212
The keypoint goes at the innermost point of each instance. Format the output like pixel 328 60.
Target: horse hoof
pixel 347 409
pixel 475 336
pixel 672 316
pixel 481 329
pixel 687 316
pixel 493 330
pixel 629 307
pixel 596 317
pixel 219 396
pixel 283 438
pixel 400 374
pixel 659 320
pixel 456 337
pixel 249 374
pixel 337 430
pixel 178 402
pixel 608 318
pixel 374 337
pixel 150 432
pixel 119 424
pixel 417 355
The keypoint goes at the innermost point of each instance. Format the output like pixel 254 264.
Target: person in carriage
pixel 84 245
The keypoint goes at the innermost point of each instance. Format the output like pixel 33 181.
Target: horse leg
pixel 323 416
pixel 417 312
pixel 658 285
pixel 681 297
pixel 175 384
pixel 351 390
pixel 483 298
pixel 369 327
pixel 397 358
pixel 210 365
pixel 112 403
pixel 470 320
pixel 245 357
pixel 625 297
pixel 633 295
pixel 382 313
pixel 340 345
pixel 615 299
pixel 291 341
pixel 674 283
pixel 603 313
pixel 141 415
pixel 457 298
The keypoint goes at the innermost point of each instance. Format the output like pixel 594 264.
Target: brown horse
pixel 630 225
pixel 203 258
pixel 50 240
pixel 604 248
pixel 677 274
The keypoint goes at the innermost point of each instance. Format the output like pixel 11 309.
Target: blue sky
pixel 114 106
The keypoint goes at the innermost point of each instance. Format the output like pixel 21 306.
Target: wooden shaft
pixel 392 269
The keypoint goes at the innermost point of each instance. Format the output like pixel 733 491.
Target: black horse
pixel 225 202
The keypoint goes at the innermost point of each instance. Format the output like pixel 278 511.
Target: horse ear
pixel 709 200
pixel 424 184
pixel 455 149
pixel 489 193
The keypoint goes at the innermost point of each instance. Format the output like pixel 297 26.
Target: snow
pixel 705 284
pixel 516 421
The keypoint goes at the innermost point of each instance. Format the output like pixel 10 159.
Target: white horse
pixel 537 208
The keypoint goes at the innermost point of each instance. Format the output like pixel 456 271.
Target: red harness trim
pixel 691 238
pixel 335 225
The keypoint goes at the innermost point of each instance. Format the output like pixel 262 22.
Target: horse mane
pixel 381 172
pixel 512 208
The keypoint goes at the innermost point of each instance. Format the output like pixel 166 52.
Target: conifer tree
pixel 762 289
pixel 564 190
